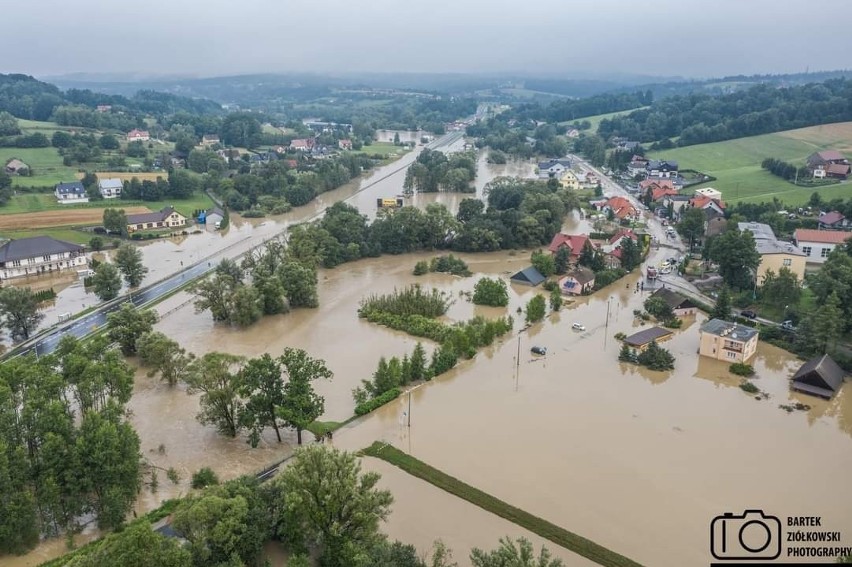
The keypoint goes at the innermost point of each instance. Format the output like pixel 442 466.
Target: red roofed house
pixel 818 244
pixel 712 207
pixel 657 189
pixel 138 136
pixel 574 242
pixel 302 144
pixel 829 163
pixel 621 207
pixel 612 250
pixel 344 144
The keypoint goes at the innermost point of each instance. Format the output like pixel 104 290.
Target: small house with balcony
pixel 726 341
pixel 70 193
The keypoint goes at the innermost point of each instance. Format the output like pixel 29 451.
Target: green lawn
pixel 383 148
pixel 596 120
pixel 46 164
pixel 736 163
pixel 60 233
pixel 36 202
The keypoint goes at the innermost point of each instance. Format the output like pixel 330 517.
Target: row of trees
pixel 322 505
pixel 700 118
pixel 784 170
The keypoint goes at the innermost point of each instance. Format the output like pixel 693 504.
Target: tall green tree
pixel 300 284
pixel 819 332
pixel 115 221
pixel 19 308
pixel 736 254
pixel 106 281
pixel 138 545
pixel 126 325
pixel 691 225
pixel 512 554
pixel 300 404
pixel 493 292
pixel 262 388
pixel 417 363
pixel 722 309
pixel 536 309
pixel 164 356
pixel 128 258
pixel 216 377
pixel 631 255
pixel 561 260
pixel 327 503
pixel 835 276
pixel 543 262
pixel 781 290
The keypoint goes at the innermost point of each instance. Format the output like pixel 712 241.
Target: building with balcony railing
pixel 727 341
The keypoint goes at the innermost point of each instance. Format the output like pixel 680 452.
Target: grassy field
pixel 46 164
pixel 60 233
pixel 383 148
pixel 556 534
pixel 38 202
pixel 736 163
pixel 46 128
pixel 596 120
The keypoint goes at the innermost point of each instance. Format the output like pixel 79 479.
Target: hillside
pixel 736 163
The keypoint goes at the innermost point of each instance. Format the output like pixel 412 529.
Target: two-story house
pixel 829 163
pixel 661 168
pixel 553 168
pixel 69 193
pixel 818 244
pixel 165 218
pixel 39 255
pixel 774 254
pixel 727 341
pixel 110 187
pixel 137 135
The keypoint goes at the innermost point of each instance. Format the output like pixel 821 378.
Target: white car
pixel 578 327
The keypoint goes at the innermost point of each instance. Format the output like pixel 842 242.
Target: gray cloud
pixel 214 37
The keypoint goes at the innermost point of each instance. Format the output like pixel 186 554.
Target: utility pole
pixel 518 363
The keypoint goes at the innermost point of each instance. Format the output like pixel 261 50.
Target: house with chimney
pixel 575 243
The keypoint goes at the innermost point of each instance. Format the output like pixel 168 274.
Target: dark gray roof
pixel 662 164
pixel 673 299
pixel 216 211
pixel 35 247
pixel 726 329
pixel 645 336
pixel 74 187
pixel 819 373
pixel 529 276
pixel 142 218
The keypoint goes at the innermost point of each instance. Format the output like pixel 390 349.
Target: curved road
pixel 46 342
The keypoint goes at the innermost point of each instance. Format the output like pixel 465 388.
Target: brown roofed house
pixel 679 304
pixel 578 281
pixel 167 217
pixel 16 167
pixel 643 339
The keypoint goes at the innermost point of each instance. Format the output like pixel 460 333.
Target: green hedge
pixel 547 530
pixel 370 405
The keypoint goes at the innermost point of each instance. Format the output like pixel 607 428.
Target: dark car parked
pixel 539 350
pixel 748 314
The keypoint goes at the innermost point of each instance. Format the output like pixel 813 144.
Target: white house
pixel 110 188
pixel 818 244
pixel 137 135
pixel 69 193
pixel 167 217
pixel 553 168
pixel 39 255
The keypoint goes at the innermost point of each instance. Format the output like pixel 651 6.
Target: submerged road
pixel 92 322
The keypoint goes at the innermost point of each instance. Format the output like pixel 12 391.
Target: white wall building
pixel 39 255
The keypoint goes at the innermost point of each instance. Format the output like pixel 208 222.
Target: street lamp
pixel 408 415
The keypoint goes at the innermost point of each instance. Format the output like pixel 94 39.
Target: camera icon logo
pixel 752 535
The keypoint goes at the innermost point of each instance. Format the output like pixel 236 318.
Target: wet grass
pixel 38 202
pixel 60 233
pixel 323 427
pixel 539 526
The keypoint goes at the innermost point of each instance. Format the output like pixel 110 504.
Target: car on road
pixel 788 325
pixel 539 350
pixel 578 327
pixel 748 314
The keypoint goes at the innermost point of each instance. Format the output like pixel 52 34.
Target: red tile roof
pixel 658 182
pixel 575 243
pixel 701 201
pixel 621 207
pixel 837 169
pixel 821 236
pixel 831 218
pixel 622 233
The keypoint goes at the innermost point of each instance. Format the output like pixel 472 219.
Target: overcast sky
pixel 697 38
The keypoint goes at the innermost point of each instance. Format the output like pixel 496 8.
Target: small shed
pixel 640 341
pixel 528 276
pixel 819 376
pixel 214 217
